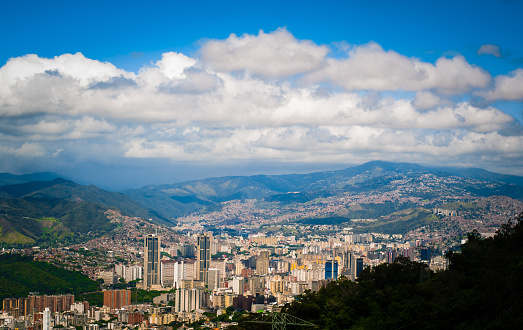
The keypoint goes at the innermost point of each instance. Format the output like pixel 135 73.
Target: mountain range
pixel 42 203
pixel 174 200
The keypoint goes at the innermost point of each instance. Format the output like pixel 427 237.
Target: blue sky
pixel 124 94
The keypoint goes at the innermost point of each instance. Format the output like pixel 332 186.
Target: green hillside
pixel 62 189
pixel 20 275
pixel 31 220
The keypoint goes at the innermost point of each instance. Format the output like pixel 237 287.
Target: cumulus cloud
pixel 370 67
pixel 77 66
pixel 330 143
pixel 390 106
pixel 25 150
pixel 275 54
pixel 427 100
pixel 489 49
pixel 507 87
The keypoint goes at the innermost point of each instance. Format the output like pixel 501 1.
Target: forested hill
pixel 71 191
pixel 37 220
pixel 480 290
pixel 20 275
pixel 58 210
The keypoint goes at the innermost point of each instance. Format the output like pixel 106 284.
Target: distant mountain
pixel 70 191
pixel 178 199
pixel 168 201
pixel 481 174
pixel 8 179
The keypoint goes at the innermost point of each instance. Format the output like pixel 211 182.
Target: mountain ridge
pixel 10 179
pixel 168 201
pixel 60 188
pixel 181 198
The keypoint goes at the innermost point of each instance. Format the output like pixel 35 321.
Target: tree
pixel 481 289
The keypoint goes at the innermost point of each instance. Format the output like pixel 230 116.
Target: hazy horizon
pixel 197 174
pixel 123 94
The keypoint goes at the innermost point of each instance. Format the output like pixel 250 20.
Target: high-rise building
pixel 151 265
pixel 408 253
pixel 129 273
pixel 331 269
pixel 221 265
pixel 179 273
pixel 116 299
pixel 347 260
pixel 262 263
pixel 46 324
pixel 203 254
pixel 238 267
pixel 238 285
pixel 10 303
pixel 188 300
pixel 359 266
pixel 55 303
pixel 214 279
pixel 356 267
pixel 425 255
pixel 167 273
pixel 391 256
pixel 257 284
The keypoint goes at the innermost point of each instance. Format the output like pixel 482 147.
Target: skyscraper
pixel 204 257
pixel 262 263
pixel 151 265
pixel 356 267
pixel 331 269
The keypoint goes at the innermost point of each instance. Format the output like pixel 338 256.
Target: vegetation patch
pixel 20 275
pixel 324 221
pixel 48 219
pixel 398 222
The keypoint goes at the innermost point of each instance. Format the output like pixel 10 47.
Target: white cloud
pixel 275 54
pixel 507 87
pixel 369 67
pixel 172 65
pixel 426 100
pixel 25 150
pixel 489 49
pixel 77 66
pixel 73 109
pixel 337 144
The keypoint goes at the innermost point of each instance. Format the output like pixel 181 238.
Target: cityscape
pixel 246 166
pixel 249 272
pixel 212 268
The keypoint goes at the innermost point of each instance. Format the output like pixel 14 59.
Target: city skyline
pixel 126 95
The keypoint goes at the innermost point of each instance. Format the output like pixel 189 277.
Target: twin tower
pixel 152 271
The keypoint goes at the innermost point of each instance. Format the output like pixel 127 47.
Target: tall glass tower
pixel 204 258
pixel 151 265
pixel 331 269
